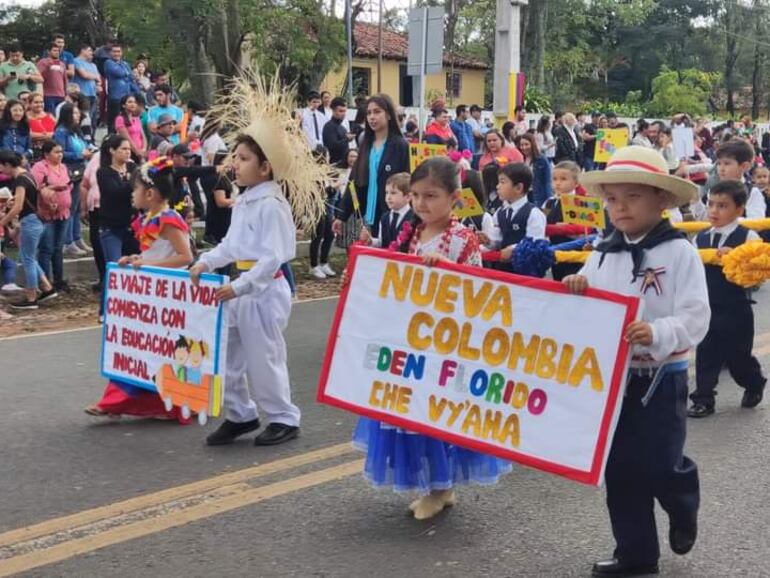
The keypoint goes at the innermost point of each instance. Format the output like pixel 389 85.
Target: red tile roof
pixel 395 46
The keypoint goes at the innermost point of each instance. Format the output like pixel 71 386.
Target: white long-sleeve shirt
pixel 535 222
pixel 672 285
pixel 261 230
pixel 314 138
pixel 725 232
pixel 756 206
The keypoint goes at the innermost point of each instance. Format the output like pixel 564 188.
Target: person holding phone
pixel 18 75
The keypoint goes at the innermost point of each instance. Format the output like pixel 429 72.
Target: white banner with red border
pixel 506 365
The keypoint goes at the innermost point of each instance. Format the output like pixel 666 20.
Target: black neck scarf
pixel 616 243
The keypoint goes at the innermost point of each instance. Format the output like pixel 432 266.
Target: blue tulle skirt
pixel 408 461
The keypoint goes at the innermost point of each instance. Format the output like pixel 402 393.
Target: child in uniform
pixel 271 153
pixel 760 178
pixel 391 222
pixel 405 460
pixel 517 217
pixel 646 257
pixel 730 338
pixel 565 182
pixel 734 161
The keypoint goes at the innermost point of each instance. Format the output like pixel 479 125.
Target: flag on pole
pixel 517 82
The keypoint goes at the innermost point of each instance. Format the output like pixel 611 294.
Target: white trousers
pixel 257 373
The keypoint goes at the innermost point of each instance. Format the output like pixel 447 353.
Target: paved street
pixel 302 509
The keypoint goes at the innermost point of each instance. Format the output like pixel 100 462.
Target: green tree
pixel 685 91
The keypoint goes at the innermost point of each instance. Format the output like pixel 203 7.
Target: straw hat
pixel 642 166
pixel 261 108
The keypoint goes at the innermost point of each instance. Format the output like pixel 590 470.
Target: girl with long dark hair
pixel 76 154
pixel 542 187
pixel 383 152
pixel 14 130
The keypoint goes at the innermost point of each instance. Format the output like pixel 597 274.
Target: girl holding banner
pixel 405 460
pixel 164 239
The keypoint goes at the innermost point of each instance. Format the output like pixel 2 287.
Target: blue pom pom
pixel 533 257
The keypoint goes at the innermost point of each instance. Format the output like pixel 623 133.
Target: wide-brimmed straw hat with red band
pixel 641 166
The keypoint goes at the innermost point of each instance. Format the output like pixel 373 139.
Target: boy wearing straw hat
pixel 271 156
pixel 645 256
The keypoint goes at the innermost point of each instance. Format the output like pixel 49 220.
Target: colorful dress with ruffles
pixel 408 461
pixel 122 398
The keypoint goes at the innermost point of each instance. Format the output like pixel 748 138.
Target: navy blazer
pixel 395 159
pixel 542 186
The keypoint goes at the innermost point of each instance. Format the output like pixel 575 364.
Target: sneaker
pixel 11 288
pixel 328 271
pixel 62 286
pixel 47 295
pixel 25 305
pixel 317 272
pixel 83 246
pixel 72 250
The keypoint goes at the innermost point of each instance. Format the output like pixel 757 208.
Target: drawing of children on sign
pixel 181 356
pixel 198 352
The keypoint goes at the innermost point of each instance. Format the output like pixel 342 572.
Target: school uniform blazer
pixel 395 159
pixel 542 187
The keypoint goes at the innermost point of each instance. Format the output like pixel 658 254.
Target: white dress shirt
pixel 676 305
pixel 313 130
pixel 756 205
pixel 535 223
pixel 261 230
pixel 725 231
pixel 377 241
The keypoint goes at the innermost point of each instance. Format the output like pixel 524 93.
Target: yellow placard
pixel 467 205
pixel 609 140
pixel 582 210
pixel 420 152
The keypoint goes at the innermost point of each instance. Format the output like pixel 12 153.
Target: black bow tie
pixel 616 243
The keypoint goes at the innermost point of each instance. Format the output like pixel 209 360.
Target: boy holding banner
pixel 645 256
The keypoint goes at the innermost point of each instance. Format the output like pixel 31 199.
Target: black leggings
pixel 96 243
pixel 323 237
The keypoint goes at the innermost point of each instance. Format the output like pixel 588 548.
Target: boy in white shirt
pixel 271 156
pixel 646 257
pixel 730 338
pixel 391 223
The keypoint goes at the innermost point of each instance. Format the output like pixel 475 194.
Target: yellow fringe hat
pixel 262 109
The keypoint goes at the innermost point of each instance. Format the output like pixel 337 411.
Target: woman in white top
pixel 546 144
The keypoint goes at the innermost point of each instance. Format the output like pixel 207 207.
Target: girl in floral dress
pixel 405 460
pixel 164 239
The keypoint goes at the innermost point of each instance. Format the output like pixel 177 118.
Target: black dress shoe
pixel 700 410
pixel 276 433
pixel 614 568
pixel 751 398
pixel 682 535
pixel 229 431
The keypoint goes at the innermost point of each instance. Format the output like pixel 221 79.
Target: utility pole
pixel 507 51
pixel 349 25
pixel 379 54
